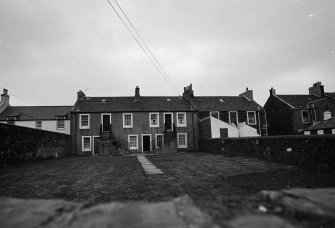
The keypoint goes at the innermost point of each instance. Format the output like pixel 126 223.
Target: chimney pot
pixel 272 91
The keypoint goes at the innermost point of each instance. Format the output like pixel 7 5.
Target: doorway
pixel 106 120
pixel 168 121
pixel 146 142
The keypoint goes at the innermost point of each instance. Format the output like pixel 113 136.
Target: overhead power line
pixel 143 47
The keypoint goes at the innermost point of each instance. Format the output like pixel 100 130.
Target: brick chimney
pixel 316 90
pixel 248 94
pixel 137 94
pixel 188 92
pixel 4 100
pixel 80 95
pixel 272 92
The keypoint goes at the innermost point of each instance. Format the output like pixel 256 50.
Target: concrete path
pixel 148 167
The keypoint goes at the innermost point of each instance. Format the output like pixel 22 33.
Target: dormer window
pixel 305 116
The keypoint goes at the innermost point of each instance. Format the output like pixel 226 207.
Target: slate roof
pixel 152 104
pixel 127 104
pixel 331 95
pixel 35 112
pixel 324 124
pixel 298 101
pixel 225 103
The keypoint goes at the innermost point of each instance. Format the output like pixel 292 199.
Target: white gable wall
pixel 216 124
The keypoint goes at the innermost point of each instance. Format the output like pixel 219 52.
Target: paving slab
pixel 148 167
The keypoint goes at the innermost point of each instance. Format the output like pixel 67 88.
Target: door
pixel 146 142
pixel 223 132
pixel 106 122
pixel 96 145
pixel 168 121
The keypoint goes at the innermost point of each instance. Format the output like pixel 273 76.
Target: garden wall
pixel 19 144
pixel 311 152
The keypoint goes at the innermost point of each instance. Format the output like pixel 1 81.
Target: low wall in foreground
pixel 311 152
pixel 19 144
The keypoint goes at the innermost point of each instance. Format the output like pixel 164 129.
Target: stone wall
pixel 20 144
pixel 311 152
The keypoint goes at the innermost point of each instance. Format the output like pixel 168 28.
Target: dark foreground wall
pixel 18 144
pixel 311 152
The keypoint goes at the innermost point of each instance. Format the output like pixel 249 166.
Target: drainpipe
pixel 193 132
pixel 266 124
pixel 259 123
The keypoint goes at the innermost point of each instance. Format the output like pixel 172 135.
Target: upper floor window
pixel 305 116
pixel 60 122
pixel 84 121
pixel 154 119
pixel 181 119
pixel 251 117
pixel 38 124
pixel 215 114
pixel 127 120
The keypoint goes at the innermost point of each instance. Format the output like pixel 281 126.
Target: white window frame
pixel 178 124
pixel 320 132
pixel 182 146
pixel 80 123
pixel 248 118
pixel 131 122
pixel 58 119
pixel 171 113
pixel 302 117
pixel 156 145
pixel 236 116
pixel 154 113
pixel 143 140
pixel 133 148
pixel 307 132
pixel 36 124
pixel 82 143
pixel 210 114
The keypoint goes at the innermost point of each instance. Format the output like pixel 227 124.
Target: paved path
pixel 148 167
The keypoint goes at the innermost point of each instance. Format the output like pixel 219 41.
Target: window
pixel 181 119
pixel 215 114
pixel 86 143
pixel 127 120
pixel 84 121
pixel 233 118
pixel 133 142
pixel 11 120
pixel 305 116
pixel 38 124
pixel 251 117
pixel 182 140
pixel 159 141
pixel 154 119
pixel 60 122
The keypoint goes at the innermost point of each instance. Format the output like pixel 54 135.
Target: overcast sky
pixel 50 49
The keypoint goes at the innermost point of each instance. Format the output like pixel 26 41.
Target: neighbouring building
pixel 159 123
pixel 290 114
pixel 49 118
pixel 323 127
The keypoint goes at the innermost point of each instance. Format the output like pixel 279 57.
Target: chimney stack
pixel 4 100
pixel 80 95
pixel 317 90
pixel 248 94
pixel 188 91
pixel 272 92
pixel 137 94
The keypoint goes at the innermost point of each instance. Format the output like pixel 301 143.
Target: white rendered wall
pixel 47 125
pixel 246 131
pixel 216 124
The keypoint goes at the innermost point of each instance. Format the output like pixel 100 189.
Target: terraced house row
pixel 105 125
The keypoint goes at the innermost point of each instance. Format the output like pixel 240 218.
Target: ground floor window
pixel 60 123
pixel 38 124
pixel 133 142
pixel 159 141
pixel 86 143
pixel 182 140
